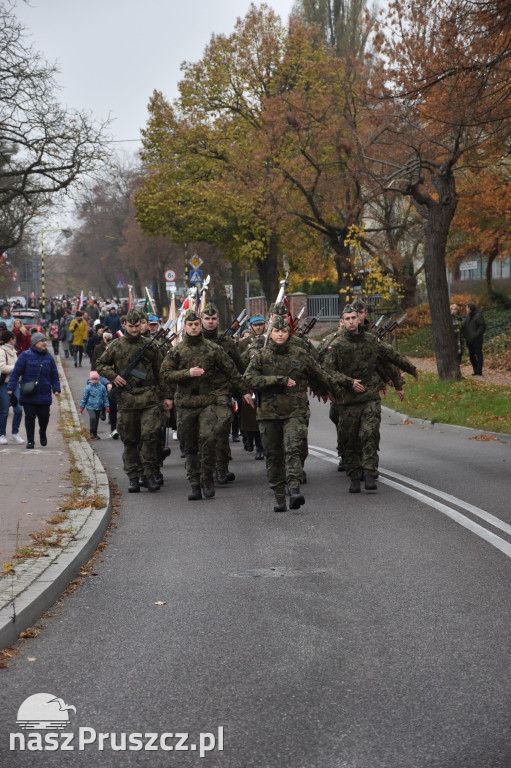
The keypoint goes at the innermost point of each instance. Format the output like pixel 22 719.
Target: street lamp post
pixel 66 233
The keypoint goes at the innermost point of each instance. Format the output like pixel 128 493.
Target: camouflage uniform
pixel 358 356
pixel 223 387
pixel 139 409
pixel 282 410
pixel 196 399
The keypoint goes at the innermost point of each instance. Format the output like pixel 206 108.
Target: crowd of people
pixel 209 387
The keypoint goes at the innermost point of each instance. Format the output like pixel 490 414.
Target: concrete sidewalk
pixel 33 488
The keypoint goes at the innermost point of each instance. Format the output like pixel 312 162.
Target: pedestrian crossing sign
pixel 196 276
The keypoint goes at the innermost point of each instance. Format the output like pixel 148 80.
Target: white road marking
pixel 466 522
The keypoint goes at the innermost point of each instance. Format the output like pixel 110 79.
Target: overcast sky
pixel 112 54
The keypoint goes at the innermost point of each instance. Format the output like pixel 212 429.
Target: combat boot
pixel 221 476
pixel 195 494
pixel 280 504
pixel 159 477
pixel 134 486
pixel 341 466
pixel 355 485
pixel 152 483
pixel 143 482
pixel 370 482
pixel 296 498
pixel 208 487
pixel 259 454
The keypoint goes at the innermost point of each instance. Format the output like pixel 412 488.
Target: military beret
pixel 256 319
pixel 348 308
pixel 153 319
pixel 191 316
pixel 134 316
pixel 210 309
pixel 280 324
pixel 359 305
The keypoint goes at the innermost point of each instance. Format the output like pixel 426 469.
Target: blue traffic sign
pixel 196 276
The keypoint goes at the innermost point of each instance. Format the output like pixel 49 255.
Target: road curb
pixel 37 583
pixel 449 428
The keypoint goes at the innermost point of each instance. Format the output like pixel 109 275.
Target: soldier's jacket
pixel 198 391
pixel 222 382
pixel 145 380
pixel 269 370
pixel 358 356
pixel 325 343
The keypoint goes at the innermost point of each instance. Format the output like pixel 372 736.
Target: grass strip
pixel 468 403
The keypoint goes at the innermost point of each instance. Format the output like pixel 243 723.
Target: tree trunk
pixel 489 268
pixel 268 272
pixel 343 266
pixel 436 229
pixel 238 287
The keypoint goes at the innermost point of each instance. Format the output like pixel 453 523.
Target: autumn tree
pixel 44 148
pixel 482 224
pixel 438 102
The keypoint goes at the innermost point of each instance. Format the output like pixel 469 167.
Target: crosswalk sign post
pixel 196 276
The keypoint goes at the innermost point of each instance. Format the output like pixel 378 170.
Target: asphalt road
pixel 367 631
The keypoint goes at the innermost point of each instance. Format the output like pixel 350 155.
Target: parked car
pixel 31 318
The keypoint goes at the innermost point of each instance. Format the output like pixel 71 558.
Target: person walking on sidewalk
pixel 80 331
pixel 473 329
pixel 36 366
pixel 95 399
pixel 8 359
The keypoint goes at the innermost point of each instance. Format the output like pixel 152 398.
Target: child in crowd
pixel 54 336
pixel 94 398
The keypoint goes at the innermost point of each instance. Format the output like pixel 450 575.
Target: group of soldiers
pixel 271 371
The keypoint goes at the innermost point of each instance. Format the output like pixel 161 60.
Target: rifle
pixel 376 325
pixel 297 319
pixel 131 368
pixel 307 328
pixel 283 285
pixel 390 326
pixel 234 326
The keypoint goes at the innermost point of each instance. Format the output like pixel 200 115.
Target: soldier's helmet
pixel 279 324
pixel 210 309
pixel 191 316
pixel 134 316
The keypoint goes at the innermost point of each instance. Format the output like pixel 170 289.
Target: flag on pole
pixel 291 323
pixel 149 303
pixel 80 300
pixel 130 297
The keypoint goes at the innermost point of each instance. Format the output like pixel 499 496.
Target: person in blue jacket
pixel 95 399
pixel 36 364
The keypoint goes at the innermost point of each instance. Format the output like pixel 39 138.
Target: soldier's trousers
pixel 359 426
pixel 333 415
pixel 138 429
pixel 196 430
pixel 283 441
pixel 225 415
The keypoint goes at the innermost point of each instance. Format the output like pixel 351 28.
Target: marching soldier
pixel 210 321
pixel 280 373
pixel 191 369
pixel 249 425
pixel 139 406
pixel 356 354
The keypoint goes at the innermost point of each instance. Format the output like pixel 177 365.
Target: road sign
pixel 170 276
pixel 468 265
pixel 120 284
pixel 196 276
pixel 170 287
pixel 195 261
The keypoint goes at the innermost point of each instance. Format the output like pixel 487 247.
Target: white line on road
pixel 466 522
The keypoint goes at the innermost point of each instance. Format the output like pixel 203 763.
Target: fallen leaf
pixel 31 658
pixel 161 602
